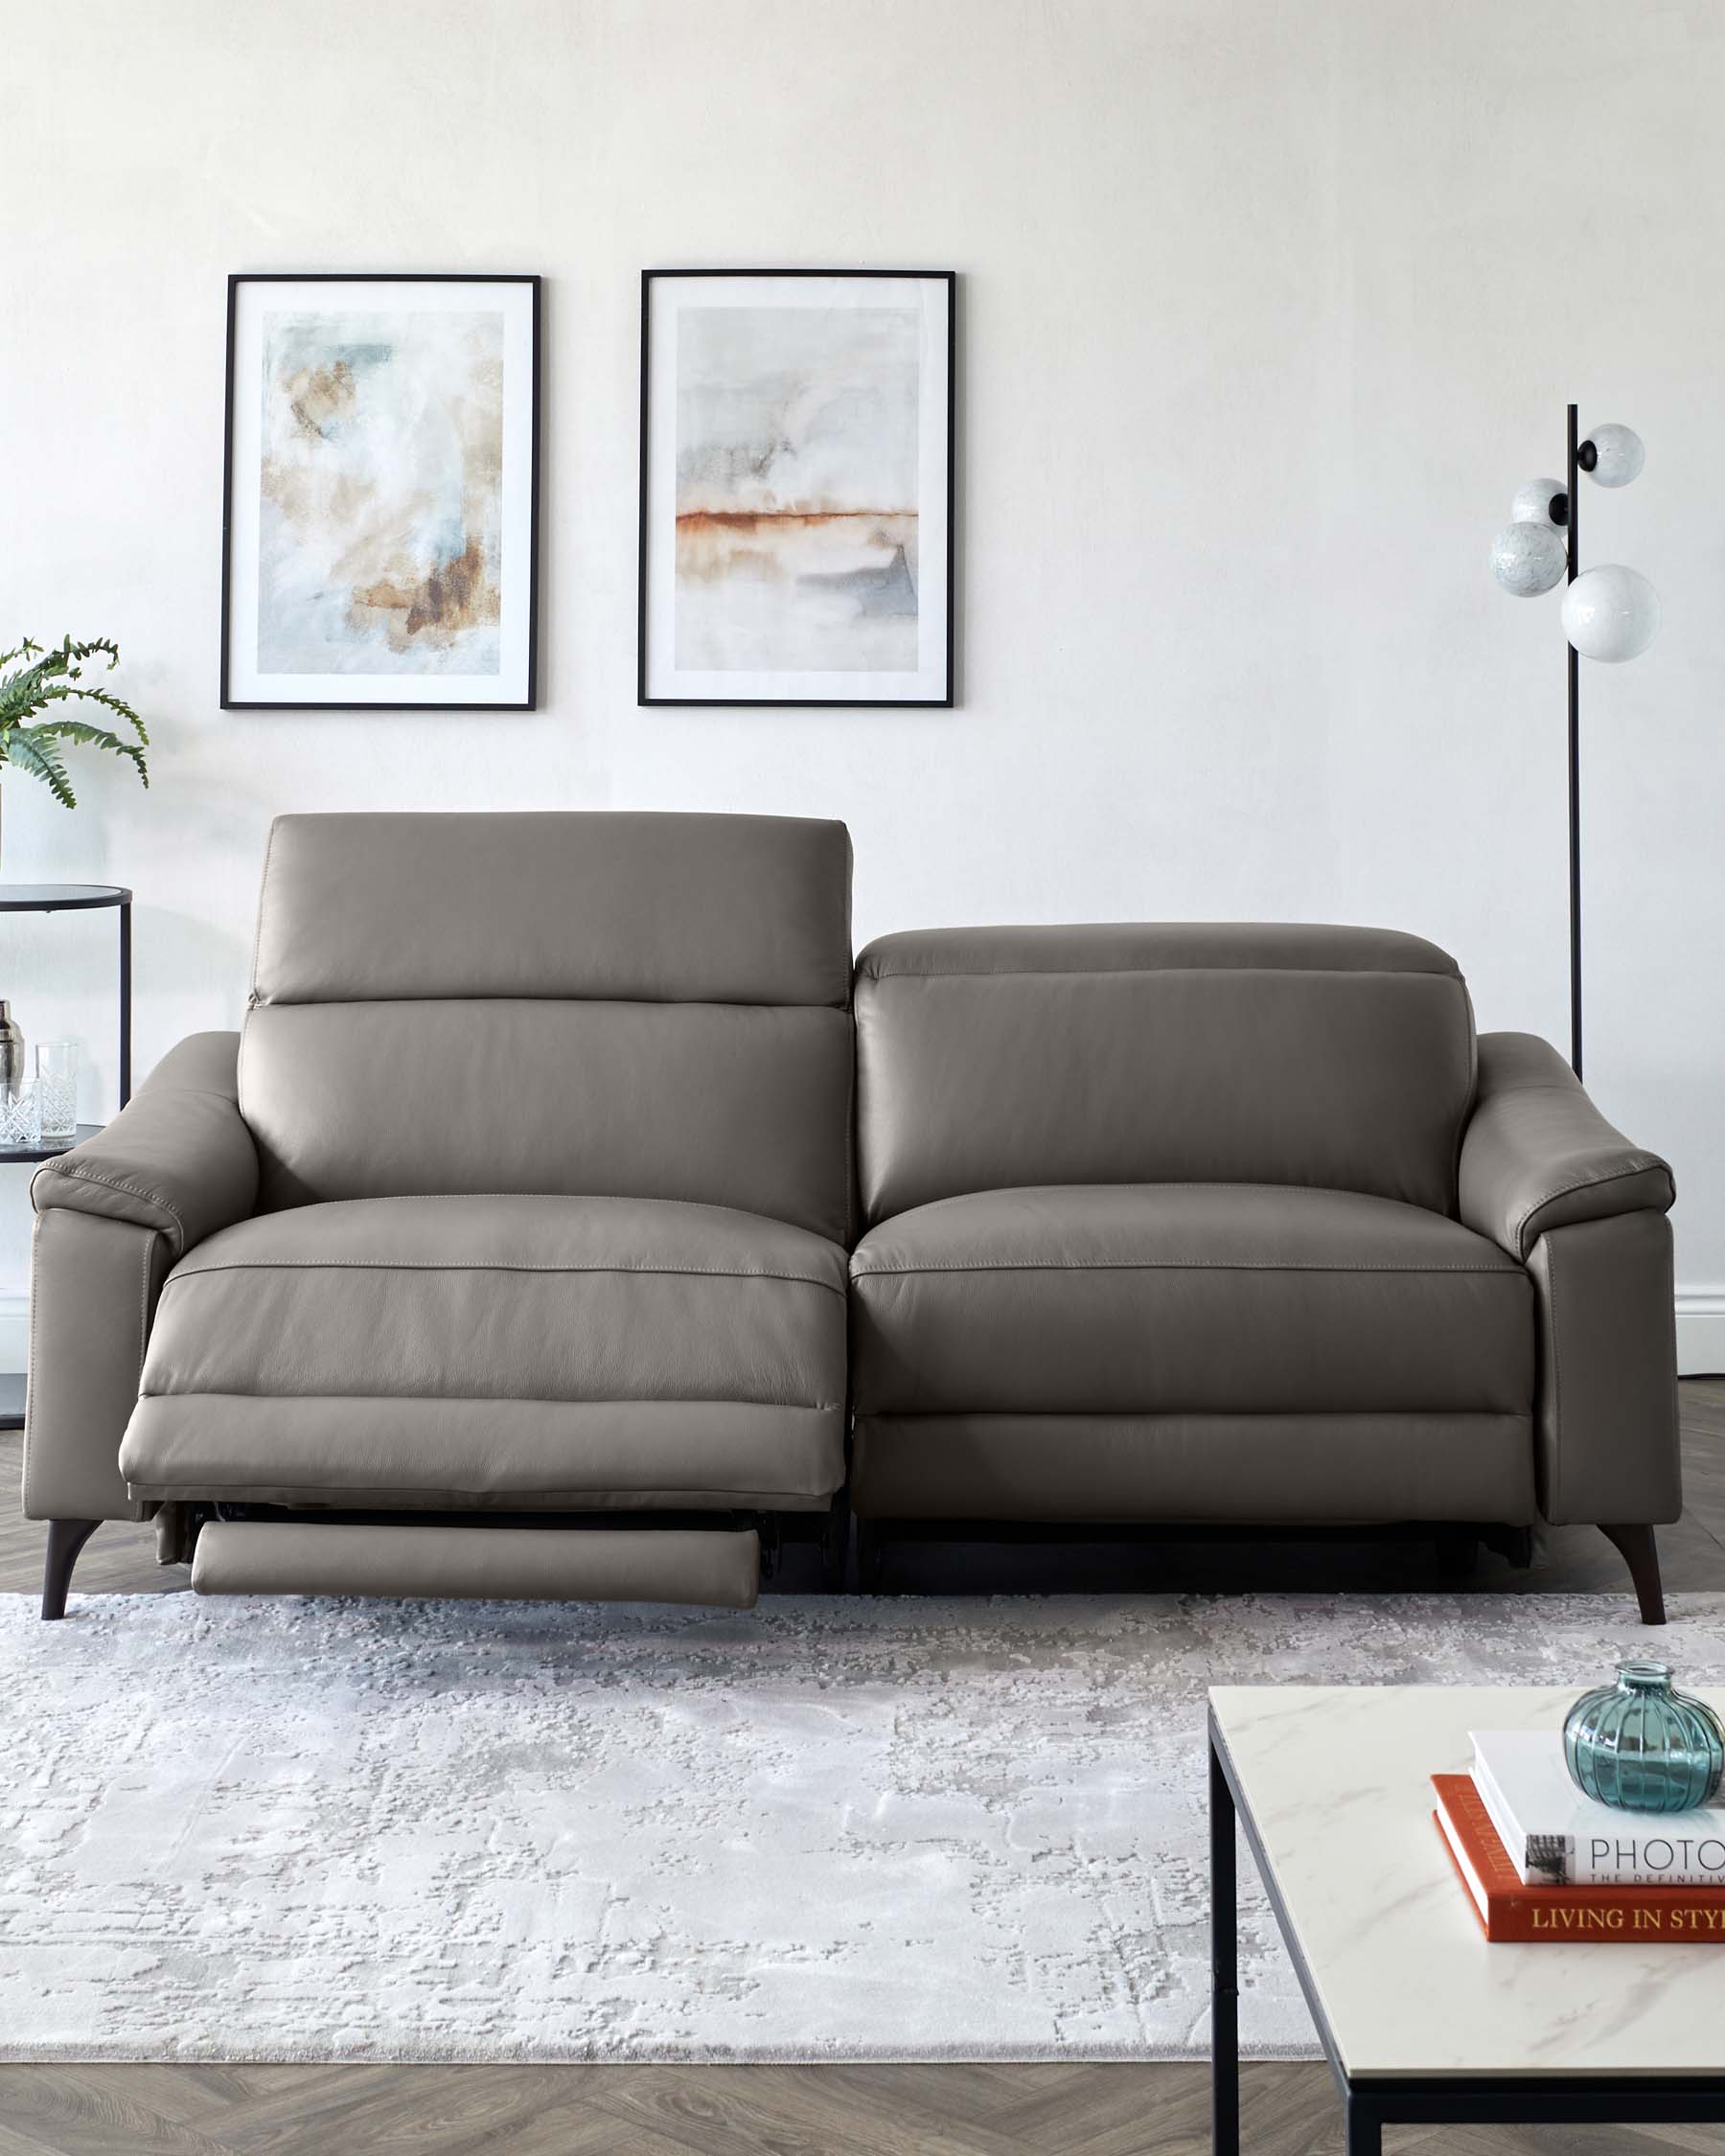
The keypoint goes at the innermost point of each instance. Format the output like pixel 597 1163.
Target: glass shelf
pixel 60 897
pixel 22 1152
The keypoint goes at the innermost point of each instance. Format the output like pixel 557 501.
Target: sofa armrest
pixel 1606 1442
pixel 177 1159
pixel 1538 1154
pixel 112 1216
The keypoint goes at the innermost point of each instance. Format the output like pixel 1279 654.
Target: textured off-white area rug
pixel 827 1829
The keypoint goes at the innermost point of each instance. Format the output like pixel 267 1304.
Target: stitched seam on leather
pixel 514 1399
pixel 1187 1183
pixel 1556 1489
pixel 262 894
pixel 489 1265
pixel 505 1400
pixel 558 1198
pixel 1150 973
pixel 1509 1271
pixel 32 1366
pixel 162 1092
pixel 142 1322
pixel 579 1197
pixel 1471 1097
pixel 332 999
pixel 722 1498
pixel 1372 1197
pixel 1540 1084
pixel 127 1190
pixel 1650 1164
pixel 1197 1414
pixel 850 1136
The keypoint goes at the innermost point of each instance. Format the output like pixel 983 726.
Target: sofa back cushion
pixel 618 1005
pixel 1184 1053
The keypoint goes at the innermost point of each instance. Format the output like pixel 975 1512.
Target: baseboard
pixel 1700 1331
pixel 14 1327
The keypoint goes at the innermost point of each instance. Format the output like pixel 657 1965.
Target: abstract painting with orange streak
pixel 796 489
pixel 381 519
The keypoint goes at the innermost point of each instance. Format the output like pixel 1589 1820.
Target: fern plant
pixel 49 677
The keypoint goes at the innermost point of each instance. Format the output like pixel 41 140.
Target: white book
pixel 1556 1836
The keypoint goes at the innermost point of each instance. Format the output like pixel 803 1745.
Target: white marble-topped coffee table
pixel 1420 2019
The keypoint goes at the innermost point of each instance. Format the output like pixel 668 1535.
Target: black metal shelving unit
pixel 68 898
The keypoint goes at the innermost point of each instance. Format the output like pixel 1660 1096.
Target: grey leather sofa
pixel 509 1249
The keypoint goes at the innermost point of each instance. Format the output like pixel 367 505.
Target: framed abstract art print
pixel 796 487
pixel 380 493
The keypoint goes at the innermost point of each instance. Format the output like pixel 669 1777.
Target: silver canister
pixel 12 1053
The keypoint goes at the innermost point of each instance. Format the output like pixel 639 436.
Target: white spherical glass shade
pixel 1620 455
pixel 1528 558
pixel 1610 613
pixel 1533 499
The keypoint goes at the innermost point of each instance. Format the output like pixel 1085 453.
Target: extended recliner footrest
pixel 721 1569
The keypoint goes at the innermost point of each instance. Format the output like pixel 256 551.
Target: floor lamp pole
pixel 1574 766
pixel 1609 613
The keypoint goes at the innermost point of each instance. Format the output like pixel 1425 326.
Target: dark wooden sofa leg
pixel 1640 1553
pixel 65 1539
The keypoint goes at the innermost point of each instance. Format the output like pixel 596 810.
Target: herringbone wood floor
pixel 1053 2110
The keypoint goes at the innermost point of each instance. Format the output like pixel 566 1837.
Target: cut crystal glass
pixel 20 1118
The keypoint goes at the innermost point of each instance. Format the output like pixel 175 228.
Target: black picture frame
pixel 236 279
pixel 943 703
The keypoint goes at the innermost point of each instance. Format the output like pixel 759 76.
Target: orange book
pixel 1508 1909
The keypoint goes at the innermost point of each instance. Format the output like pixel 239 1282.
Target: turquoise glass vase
pixel 1643 1745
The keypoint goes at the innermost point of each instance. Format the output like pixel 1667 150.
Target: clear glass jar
pixel 57 1090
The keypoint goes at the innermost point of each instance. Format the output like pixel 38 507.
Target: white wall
pixel 1266 309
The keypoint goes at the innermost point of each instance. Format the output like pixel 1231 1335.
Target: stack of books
pixel 1540 1861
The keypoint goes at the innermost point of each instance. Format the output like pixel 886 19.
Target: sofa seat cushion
pixel 1181 1299
pixel 500 1348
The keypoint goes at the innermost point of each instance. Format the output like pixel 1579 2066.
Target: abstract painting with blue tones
pixel 380 480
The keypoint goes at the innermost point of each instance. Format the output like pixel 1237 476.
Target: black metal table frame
pixel 69 898
pixel 1377 2101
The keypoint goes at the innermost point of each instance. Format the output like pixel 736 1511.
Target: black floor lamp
pixel 1609 613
